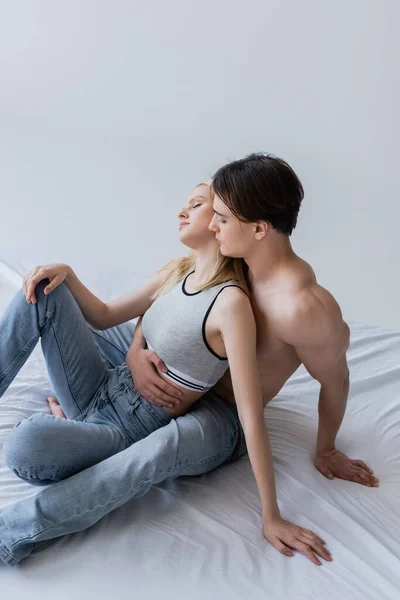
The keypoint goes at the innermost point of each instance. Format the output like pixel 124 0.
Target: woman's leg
pixel 43 449
pixel 55 407
pixel 205 438
pixel 113 343
pixel 73 361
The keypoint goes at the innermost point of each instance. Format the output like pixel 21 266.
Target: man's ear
pixel 261 229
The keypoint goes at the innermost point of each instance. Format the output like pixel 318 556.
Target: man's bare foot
pixel 55 407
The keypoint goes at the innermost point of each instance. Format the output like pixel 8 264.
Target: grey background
pixel 111 111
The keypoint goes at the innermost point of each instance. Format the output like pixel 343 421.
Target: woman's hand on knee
pixel 56 273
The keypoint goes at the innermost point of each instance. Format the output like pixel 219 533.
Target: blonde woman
pixel 105 412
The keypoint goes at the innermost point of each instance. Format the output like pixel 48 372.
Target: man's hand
pixel 336 464
pixel 284 535
pixel 143 365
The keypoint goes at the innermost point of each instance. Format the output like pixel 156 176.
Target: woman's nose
pixel 182 214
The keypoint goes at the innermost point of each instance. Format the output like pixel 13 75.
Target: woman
pixel 197 316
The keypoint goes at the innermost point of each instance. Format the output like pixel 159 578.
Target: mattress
pixel 201 537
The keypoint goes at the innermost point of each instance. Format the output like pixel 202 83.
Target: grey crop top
pixel 174 327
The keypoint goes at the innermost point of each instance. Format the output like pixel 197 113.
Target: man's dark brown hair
pixel 260 187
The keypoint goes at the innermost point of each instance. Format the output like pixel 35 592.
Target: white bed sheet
pixel 201 537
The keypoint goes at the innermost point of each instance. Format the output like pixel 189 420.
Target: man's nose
pixel 212 226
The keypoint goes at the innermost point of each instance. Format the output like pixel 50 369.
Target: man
pixel 256 203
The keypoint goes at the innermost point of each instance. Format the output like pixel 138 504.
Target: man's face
pixel 235 237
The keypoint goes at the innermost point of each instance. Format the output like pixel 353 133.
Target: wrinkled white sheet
pixel 201 537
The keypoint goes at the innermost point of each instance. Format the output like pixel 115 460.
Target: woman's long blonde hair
pixel 226 268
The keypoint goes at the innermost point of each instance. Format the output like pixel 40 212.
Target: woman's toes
pixel 55 407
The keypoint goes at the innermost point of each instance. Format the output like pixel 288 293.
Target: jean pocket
pixel 143 419
pixel 158 413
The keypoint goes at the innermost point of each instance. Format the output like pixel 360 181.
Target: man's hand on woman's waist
pixel 143 365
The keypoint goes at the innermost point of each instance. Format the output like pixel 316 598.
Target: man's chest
pixel 277 360
pixel 269 339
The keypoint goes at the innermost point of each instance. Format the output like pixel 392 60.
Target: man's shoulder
pixel 307 312
pixel 313 301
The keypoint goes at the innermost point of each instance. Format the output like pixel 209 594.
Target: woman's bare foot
pixel 55 407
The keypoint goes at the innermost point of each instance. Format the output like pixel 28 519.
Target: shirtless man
pixel 298 322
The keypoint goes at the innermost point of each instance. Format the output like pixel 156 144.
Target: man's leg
pixel 203 439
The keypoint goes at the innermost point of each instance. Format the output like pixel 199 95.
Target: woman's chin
pixel 185 240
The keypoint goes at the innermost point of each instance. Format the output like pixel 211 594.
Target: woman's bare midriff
pixel 187 400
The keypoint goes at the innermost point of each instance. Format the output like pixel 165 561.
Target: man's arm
pixel 323 353
pixel 143 365
pixel 331 408
pixel 321 338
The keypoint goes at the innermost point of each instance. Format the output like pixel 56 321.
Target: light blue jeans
pixel 114 446
pixel 106 414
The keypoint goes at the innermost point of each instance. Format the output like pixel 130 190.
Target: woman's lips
pixel 183 225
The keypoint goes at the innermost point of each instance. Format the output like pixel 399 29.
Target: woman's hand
pixel 143 365
pixel 284 535
pixel 56 273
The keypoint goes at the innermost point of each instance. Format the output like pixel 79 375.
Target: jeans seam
pixel 132 423
pixel 108 341
pixel 112 391
pixel 73 517
pixel 24 473
pixel 201 462
pixel 66 368
pixel 129 494
pixel 109 364
pixel 13 561
pixel 18 357
pixel 147 405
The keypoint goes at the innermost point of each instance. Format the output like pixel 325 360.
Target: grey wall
pixel 111 111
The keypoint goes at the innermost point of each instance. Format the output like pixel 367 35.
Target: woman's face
pixel 195 218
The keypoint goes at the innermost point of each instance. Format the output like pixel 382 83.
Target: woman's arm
pixel 238 330
pixel 103 315
pixel 99 314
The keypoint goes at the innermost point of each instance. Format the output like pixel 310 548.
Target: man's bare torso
pixel 277 360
